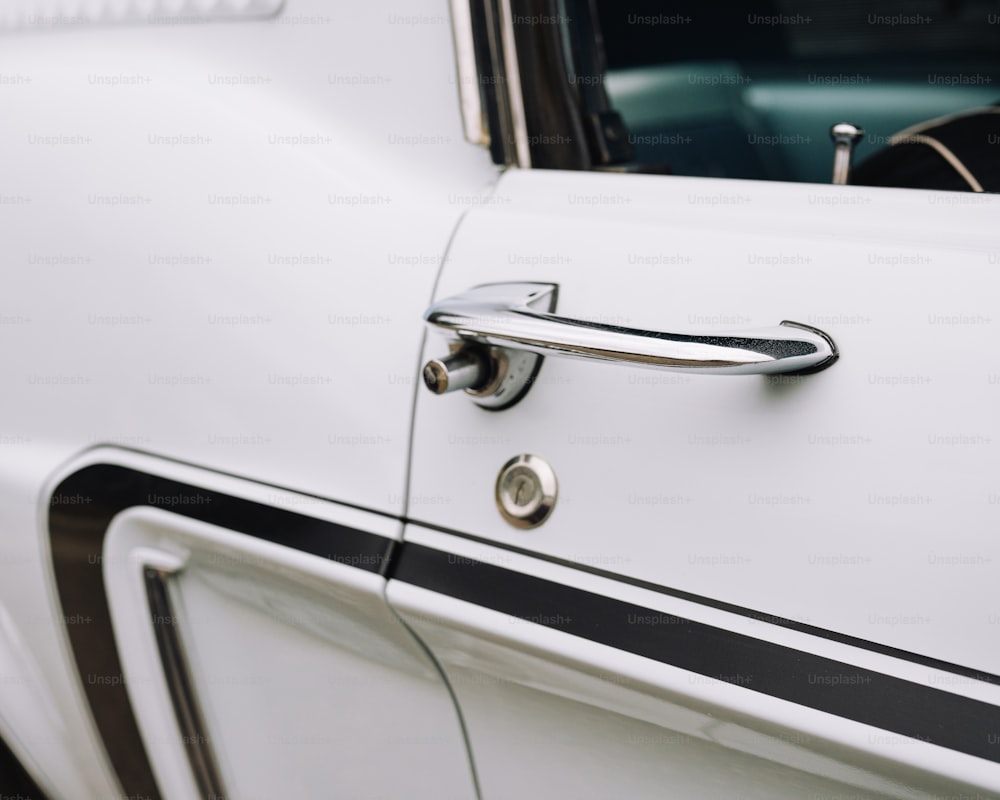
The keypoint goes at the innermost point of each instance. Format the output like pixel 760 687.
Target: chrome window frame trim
pixel 512 76
pixel 469 87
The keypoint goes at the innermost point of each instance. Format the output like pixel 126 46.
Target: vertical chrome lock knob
pixel 468 368
pixel 845 136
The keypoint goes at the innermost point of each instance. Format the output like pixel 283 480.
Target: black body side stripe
pixel 81 509
pixel 83 505
pixel 731 608
pixel 873 698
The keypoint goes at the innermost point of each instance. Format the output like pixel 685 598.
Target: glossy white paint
pixel 308 683
pixel 219 238
pixel 217 243
pixel 548 712
pixel 862 499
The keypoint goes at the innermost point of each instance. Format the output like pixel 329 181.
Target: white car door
pixel 220 224
pixel 753 585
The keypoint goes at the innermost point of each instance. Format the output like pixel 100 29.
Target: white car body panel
pixel 289 241
pixel 306 681
pixel 547 710
pixel 218 243
pixel 154 297
pixel 766 493
pixel 857 503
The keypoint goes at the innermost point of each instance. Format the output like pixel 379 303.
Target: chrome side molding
pixel 190 720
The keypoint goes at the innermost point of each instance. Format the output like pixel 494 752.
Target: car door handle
pixel 499 332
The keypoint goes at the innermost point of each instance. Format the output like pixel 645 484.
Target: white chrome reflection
pixel 512 73
pixel 501 315
pixel 469 86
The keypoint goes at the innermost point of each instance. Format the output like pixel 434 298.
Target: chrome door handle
pixel 499 332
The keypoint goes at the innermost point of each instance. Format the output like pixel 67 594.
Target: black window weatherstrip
pixel 862 695
pixel 81 509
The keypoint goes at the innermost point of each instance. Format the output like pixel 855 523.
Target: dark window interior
pixel 747 90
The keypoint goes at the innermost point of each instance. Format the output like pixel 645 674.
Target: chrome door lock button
pixel 464 369
pixel 526 491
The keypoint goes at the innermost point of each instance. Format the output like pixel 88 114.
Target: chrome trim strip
pixel 512 73
pixel 501 315
pixel 24 16
pixel 469 89
pixel 194 733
